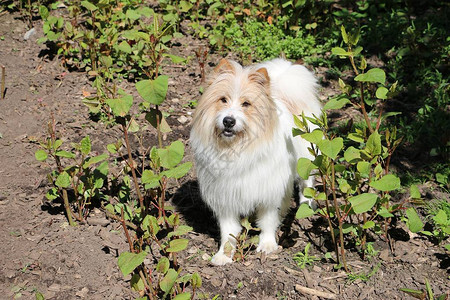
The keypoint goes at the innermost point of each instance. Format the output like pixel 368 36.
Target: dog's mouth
pixel 228 132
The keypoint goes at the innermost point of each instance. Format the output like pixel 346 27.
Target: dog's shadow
pixel 196 213
pixel 187 201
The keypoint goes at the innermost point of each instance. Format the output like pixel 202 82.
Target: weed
pixel 244 243
pixel 352 277
pixel 84 178
pixel 426 294
pixel 303 258
pixel 439 216
pixel 356 183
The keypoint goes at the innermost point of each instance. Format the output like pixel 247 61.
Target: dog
pixel 244 152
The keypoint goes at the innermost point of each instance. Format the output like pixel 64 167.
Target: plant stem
pixel 67 207
pixel 125 230
pixel 338 215
pixel 2 88
pixel 158 127
pixel 133 171
pixel 363 108
pixel 330 224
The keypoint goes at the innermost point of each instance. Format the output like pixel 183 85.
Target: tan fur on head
pixel 247 91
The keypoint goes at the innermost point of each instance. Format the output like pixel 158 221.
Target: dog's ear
pixel 224 66
pixel 260 76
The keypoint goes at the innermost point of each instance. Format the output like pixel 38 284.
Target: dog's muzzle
pixel 228 123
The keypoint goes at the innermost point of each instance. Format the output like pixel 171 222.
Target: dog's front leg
pixel 229 227
pixel 268 222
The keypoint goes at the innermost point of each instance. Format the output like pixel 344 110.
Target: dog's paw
pixel 267 247
pixel 220 259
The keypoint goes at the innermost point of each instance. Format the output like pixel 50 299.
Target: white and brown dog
pixel 245 154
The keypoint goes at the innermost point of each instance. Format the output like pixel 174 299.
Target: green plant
pixel 352 277
pixel 439 216
pixel 84 178
pixel 426 294
pixel 303 258
pixel 353 164
pixel 244 243
pixel 110 38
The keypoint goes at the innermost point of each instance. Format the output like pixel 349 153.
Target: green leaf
pixel 163 265
pixel 414 293
pixel 304 211
pixel 39 296
pixel 65 154
pixel 183 296
pixel 63 180
pixel 364 202
pixel 178 171
pixel 196 280
pixel 112 148
pixel 88 5
pixel 129 261
pixel 106 61
pixel 41 155
pixel 150 179
pixel 441 178
pixel 429 289
pixel 373 145
pixel 347 228
pixel 168 281
pixel 132 14
pixel 43 12
pixel 153 91
pixel 85 145
pixel 151 117
pixel 388 182
pixel 304 167
pixel 133 126
pixel 414 223
pixel 336 103
pixel 381 92
pixel 339 51
pixel 309 192
pixel 181 230
pixel 57 144
pixel 124 47
pixel 356 137
pixel 52 194
pixel 94 160
pixel 368 225
pixel 331 148
pixel 373 75
pixel 177 245
pixel 136 283
pixel 150 223
pixel 176 59
pixel 352 155
pixel 313 137
pixel 441 218
pixel 171 155
pixel 384 212
pixel 120 106
pixel 344 34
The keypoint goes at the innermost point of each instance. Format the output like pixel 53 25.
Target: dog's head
pixel 236 111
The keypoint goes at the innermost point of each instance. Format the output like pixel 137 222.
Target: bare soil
pixel 40 252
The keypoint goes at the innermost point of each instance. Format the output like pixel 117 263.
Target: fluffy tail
pixel 294 85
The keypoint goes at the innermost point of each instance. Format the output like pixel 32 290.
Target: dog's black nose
pixel 229 122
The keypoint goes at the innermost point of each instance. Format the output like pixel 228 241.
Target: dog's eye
pixel 223 100
pixel 246 104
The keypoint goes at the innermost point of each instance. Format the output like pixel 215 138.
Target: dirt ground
pixel 40 252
